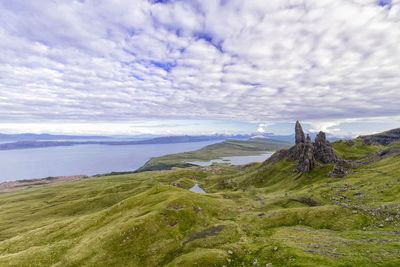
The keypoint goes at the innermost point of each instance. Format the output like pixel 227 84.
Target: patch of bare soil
pixel 209 232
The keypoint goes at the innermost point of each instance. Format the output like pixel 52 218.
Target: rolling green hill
pixel 251 215
pixel 227 148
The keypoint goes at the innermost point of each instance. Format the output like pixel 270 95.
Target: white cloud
pixel 142 127
pixel 325 127
pixel 252 61
pixel 263 127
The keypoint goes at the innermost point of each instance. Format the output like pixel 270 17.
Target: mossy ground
pixel 251 216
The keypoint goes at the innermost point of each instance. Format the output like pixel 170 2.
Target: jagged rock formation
pixel 296 151
pixel 299 133
pixel 305 152
pixel 323 149
pixel 306 161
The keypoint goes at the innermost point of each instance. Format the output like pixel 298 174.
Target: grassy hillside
pixel 227 148
pixel 251 216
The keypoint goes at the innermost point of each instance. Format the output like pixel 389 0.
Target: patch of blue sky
pixel 167 66
pixel 384 3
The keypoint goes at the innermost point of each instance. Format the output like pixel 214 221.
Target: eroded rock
pixel 305 151
pixel 299 133
pixel 306 160
pixel 295 152
pixel 323 150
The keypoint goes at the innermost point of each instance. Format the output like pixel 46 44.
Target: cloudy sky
pixel 173 67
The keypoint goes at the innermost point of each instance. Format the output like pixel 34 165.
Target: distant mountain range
pixel 30 140
pixel 56 140
pixel 32 137
pixel 52 143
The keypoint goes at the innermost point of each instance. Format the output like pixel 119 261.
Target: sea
pixel 89 160
pixel 21 164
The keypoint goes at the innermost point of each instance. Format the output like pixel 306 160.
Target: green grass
pixel 262 213
pixel 356 152
pixel 227 148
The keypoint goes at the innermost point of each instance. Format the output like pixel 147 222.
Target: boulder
pixel 341 169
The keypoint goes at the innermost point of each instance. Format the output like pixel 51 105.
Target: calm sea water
pixel 83 159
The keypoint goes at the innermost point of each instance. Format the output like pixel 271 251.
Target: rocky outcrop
pixel 323 150
pixel 306 152
pixel 300 152
pixel 296 151
pixel 306 160
pixel 341 169
pixel 349 142
pixel 299 134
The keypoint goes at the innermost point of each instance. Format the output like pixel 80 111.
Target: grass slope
pixel 251 216
pixel 227 148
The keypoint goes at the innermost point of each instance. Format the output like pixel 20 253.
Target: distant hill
pixel 253 146
pixel 286 138
pixel 384 138
pixel 158 140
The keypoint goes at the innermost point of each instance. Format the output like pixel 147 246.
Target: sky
pixel 199 66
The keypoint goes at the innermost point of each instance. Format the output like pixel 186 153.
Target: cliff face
pixel 383 138
pixel 305 151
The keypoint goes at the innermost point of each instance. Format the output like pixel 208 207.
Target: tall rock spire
pixel 299 133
